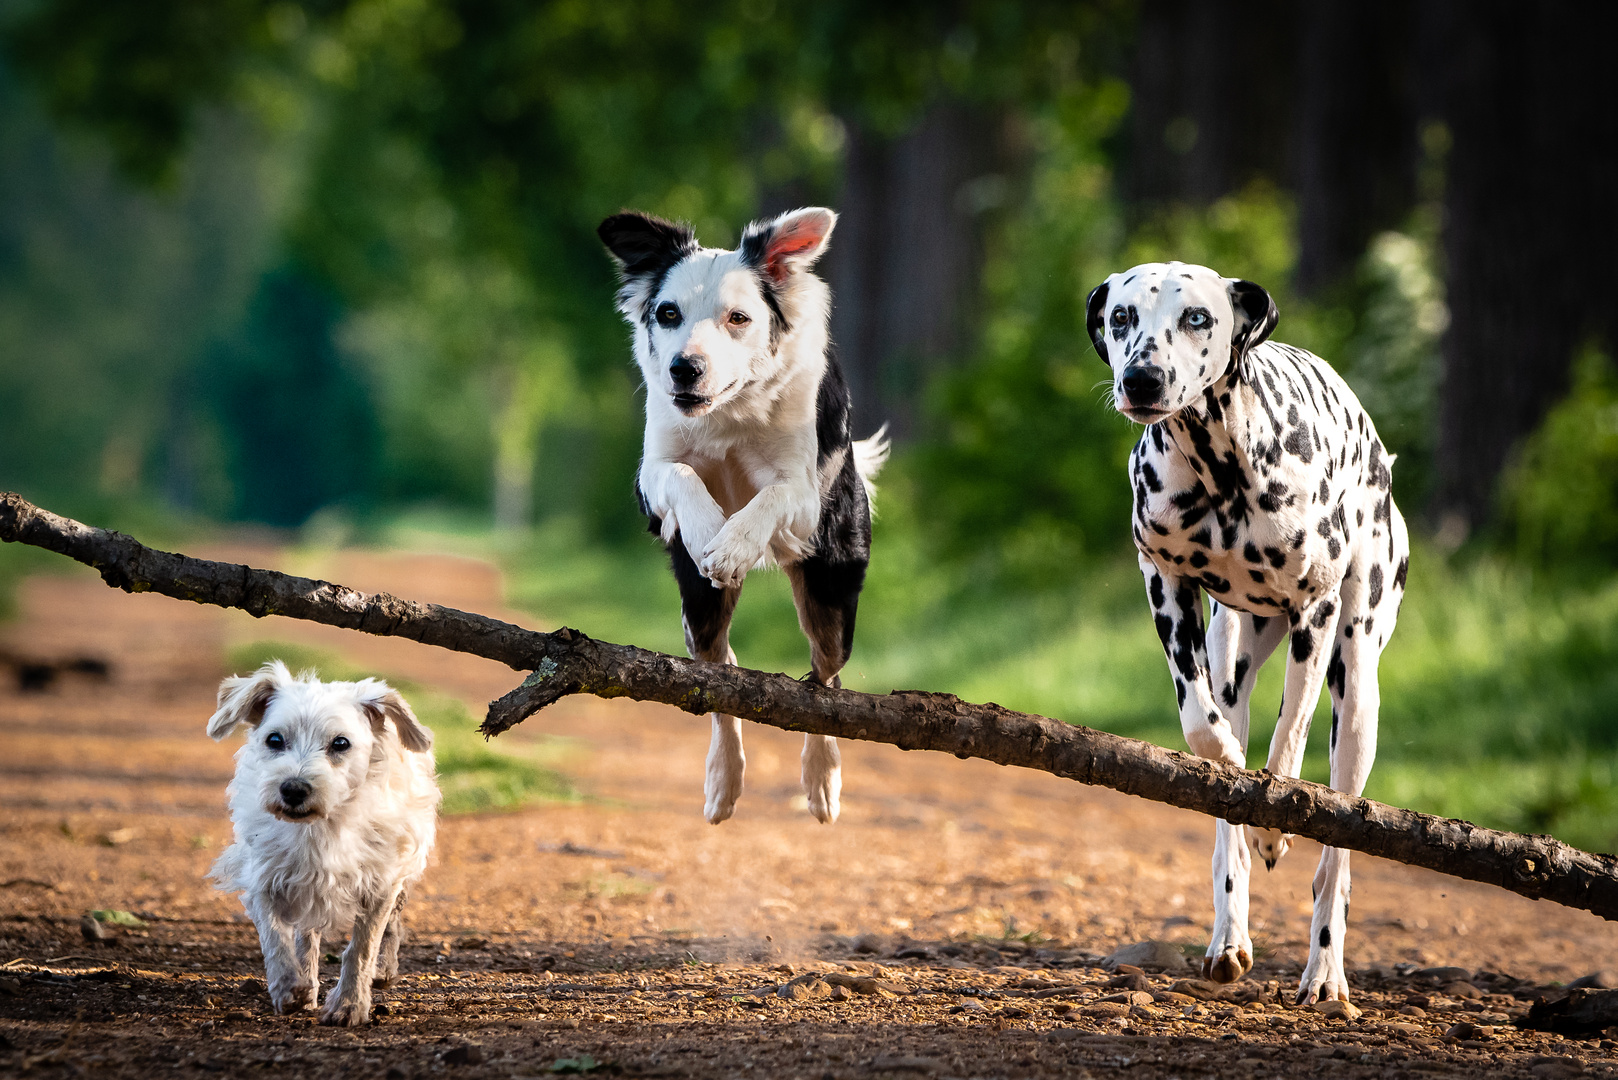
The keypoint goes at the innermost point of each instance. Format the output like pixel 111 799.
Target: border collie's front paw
pixel 727 562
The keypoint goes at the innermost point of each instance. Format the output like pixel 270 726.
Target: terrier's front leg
pixel 387 959
pixel 349 1002
pixel 291 985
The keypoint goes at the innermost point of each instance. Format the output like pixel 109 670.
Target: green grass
pixel 1499 690
pixel 473 775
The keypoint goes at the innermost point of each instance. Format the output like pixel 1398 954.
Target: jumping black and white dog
pixel 749 459
pixel 1260 480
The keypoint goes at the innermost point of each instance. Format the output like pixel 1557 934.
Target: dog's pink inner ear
pixel 792 241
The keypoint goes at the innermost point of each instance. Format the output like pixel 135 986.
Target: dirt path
pixel 623 931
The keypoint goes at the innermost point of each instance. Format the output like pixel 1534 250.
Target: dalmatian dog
pixel 748 458
pixel 1261 481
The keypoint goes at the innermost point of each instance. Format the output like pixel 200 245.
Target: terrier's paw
pixel 291 998
pixel 1270 844
pixel 346 1011
pixel 383 979
pixel 1227 965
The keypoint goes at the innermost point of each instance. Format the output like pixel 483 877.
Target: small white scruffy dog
pixel 334 805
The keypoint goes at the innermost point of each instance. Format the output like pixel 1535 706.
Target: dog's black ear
pixel 643 245
pixel 787 244
pixel 1095 320
pixel 381 703
pixel 1255 315
pixel 243 698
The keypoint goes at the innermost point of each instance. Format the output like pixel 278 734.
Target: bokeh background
pixel 328 267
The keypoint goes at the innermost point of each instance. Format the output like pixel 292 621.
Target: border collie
pixel 749 459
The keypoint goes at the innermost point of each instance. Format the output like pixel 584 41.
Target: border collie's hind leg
pixel 828 598
pixel 706 613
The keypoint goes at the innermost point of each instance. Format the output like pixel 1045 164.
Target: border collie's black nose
pixel 295 792
pixel 685 371
pixel 1143 385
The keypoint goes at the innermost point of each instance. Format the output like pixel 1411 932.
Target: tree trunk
pixel 568 662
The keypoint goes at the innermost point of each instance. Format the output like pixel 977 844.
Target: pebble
pixel 1130 997
pixel 1170 997
pixel 1442 974
pixel 1201 989
pixel 1403 1028
pixel 91 929
pixel 1468 1030
pixel 1460 988
pixel 10 988
pixel 1134 980
pixel 465 1054
pixel 1337 1010
pixel 1148 955
pixel 1412 1010
pixel 1103 1010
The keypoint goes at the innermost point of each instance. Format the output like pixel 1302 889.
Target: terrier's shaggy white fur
pixel 334 806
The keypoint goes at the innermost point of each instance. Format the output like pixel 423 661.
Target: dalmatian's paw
pixel 1228 964
pixel 1323 980
pixel 1215 742
pixel 1270 844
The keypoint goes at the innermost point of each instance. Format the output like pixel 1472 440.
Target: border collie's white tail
pixel 869 457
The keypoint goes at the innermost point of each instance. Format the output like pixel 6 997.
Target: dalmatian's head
pixel 1170 330
pixel 711 325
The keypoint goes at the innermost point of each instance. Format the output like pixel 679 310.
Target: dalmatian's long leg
pixel 706 612
pixel 1309 633
pixel 1238 645
pixel 1177 611
pixel 1370 607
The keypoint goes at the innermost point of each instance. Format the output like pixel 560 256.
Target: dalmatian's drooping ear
pixel 381 703
pixel 243 698
pixel 1255 315
pixel 644 247
pixel 788 244
pixel 1095 319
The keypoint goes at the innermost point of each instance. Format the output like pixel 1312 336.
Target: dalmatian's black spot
pixel 1250 553
pixel 1325 937
pixel 1334 729
pixel 1156 590
pixel 1323 614
pixel 1229 884
pixel 1198 560
pixel 1374 579
pixel 1325 491
pixel 1256 575
pixel 1337 674
pixel 1277 557
pixel 1303 643
pixel 1153 484
pixel 1400 574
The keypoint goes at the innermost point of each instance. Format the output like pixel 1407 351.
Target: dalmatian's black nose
pixel 1143 385
pixel 686 370
pixel 295 792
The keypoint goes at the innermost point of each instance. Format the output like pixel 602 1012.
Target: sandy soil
pixel 959 909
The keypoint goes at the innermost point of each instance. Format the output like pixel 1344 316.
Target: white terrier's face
pixel 312 744
pixel 1169 331
pixel 709 322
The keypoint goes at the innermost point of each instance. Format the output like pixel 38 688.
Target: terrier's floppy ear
pixel 789 244
pixel 381 703
pixel 1095 320
pixel 1255 314
pixel 243 698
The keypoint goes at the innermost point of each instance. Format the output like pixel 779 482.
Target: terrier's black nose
pixel 295 792
pixel 1143 385
pixel 686 370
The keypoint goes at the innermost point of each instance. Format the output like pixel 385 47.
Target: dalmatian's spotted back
pixel 1261 481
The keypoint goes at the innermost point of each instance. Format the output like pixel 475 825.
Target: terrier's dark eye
pixel 1119 316
pixel 668 314
pixel 339 744
pixel 739 318
pixel 275 742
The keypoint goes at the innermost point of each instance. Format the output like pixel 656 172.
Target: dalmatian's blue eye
pixel 1197 319
pixel 668 314
pixel 275 742
pixel 339 745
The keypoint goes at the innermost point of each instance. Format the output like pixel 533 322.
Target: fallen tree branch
pixel 568 662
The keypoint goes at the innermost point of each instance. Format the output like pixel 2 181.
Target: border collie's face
pixel 709 323
pixel 1171 330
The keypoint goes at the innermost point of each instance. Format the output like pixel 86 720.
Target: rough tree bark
pixel 569 662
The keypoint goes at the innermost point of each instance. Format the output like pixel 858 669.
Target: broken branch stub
pixel 568 662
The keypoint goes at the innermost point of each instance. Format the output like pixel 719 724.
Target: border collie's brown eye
pixel 275 742
pixel 668 314
pixel 339 744
pixel 739 318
